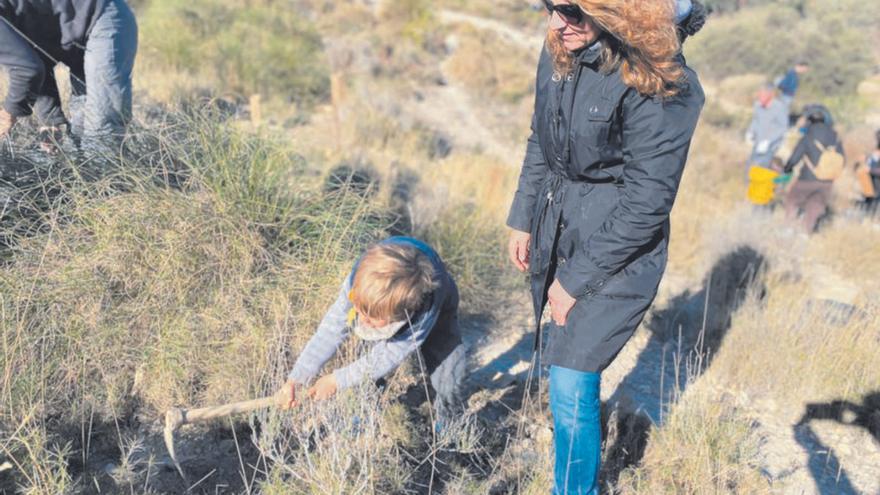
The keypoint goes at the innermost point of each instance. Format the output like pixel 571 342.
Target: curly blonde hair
pixel 639 38
pixel 391 281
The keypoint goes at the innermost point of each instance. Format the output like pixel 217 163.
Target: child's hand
pixel 323 389
pixel 286 395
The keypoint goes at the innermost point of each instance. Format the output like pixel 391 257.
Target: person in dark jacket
pixel 96 39
pixel 809 194
pixel 788 84
pixel 615 110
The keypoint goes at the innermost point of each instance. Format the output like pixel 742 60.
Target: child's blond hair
pixel 392 281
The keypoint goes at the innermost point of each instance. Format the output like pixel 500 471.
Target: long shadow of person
pixel 685 334
pixel 512 372
pixel 824 465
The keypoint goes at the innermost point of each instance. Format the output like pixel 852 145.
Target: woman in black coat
pixel 615 110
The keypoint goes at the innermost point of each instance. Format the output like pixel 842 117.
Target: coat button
pixel 562 261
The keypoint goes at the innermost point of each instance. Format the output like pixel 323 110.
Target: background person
pixel 770 118
pixel 615 110
pixel 790 82
pixel 96 39
pixel 810 194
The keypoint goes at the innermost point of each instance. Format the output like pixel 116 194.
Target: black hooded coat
pixel 601 173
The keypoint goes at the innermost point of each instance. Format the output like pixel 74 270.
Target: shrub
pixel 412 19
pixel 738 44
pixel 141 293
pixel 704 446
pixel 264 48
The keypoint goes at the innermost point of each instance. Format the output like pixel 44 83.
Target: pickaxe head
pixel 174 417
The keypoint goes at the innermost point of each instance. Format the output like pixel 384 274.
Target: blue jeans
pixel 103 107
pixel 575 404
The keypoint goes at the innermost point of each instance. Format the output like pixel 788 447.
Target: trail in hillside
pixel 451 108
pixel 512 35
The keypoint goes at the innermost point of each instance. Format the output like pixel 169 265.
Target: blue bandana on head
pixel 682 10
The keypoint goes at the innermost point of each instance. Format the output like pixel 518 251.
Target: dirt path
pixel 512 35
pixel 451 109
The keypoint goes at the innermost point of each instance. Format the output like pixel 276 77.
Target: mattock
pixel 176 417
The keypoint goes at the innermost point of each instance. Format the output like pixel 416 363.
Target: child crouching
pixel 400 296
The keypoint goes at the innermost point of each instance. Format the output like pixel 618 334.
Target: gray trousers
pixel 102 108
pixel 444 356
pixel 447 378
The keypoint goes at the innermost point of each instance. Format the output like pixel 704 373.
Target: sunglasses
pixel 569 11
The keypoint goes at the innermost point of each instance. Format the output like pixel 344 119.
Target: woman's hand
pixel 518 249
pixel 560 303
pixel 323 389
pixel 285 397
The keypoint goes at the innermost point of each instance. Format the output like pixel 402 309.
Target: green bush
pixel 724 6
pixel 262 48
pixel 412 19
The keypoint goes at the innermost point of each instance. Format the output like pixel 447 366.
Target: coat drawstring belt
pixel 553 190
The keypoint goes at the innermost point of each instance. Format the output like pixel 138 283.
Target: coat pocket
pixel 594 129
pixel 594 142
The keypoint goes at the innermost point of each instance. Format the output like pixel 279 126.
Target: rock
pixel 439 146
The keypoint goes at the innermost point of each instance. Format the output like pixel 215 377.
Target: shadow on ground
pixel 684 338
pixel 823 463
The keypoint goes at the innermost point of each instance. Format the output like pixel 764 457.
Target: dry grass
pixel 704 446
pixel 809 336
pixel 138 295
pixel 265 48
pixel 194 271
